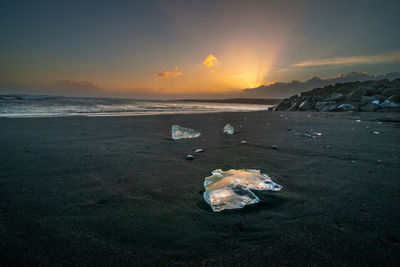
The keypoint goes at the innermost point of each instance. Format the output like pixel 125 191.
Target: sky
pixel 169 49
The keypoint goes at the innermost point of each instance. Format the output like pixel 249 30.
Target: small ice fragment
pixel 313 137
pixel 189 157
pixel 319 134
pixel 307 135
pixel 228 129
pixel 232 189
pixel 376 102
pixel 358 120
pixel 328 146
pixel 275 147
pixel 243 142
pixel 199 150
pixel 182 132
pixel 375 132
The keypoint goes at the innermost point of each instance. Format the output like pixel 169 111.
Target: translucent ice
pixel 179 132
pixel 228 129
pixel 231 189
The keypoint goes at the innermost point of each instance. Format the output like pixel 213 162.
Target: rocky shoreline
pixel 382 95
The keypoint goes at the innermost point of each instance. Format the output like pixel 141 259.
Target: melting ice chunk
pixel 231 189
pixel 179 132
pixel 228 129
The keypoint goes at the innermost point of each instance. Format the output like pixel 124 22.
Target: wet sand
pixel 118 191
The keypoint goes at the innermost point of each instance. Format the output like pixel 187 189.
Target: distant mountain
pixel 283 90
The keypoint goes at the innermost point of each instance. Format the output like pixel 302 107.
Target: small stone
pixel 319 134
pixel 199 150
pixel 379 161
pixel 275 147
pixel 189 157
pixel 353 161
pixel 375 132
pixel 307 135
pixel 328 146
pixel 358 120
pixel 243 142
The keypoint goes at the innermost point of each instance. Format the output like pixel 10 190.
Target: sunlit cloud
pixel 166 74
pixel 353 60
pixel 211 61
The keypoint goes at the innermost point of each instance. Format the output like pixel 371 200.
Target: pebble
pixel 199 150
pixel 243 142
pixel 275 147
pixel 375 132
pixel 189 157
pixel 379 161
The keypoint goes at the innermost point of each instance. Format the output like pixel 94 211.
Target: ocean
pixel 56 106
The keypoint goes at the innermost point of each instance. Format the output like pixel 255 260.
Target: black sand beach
pixel 118 191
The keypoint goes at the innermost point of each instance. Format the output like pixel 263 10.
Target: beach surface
pixel 118 190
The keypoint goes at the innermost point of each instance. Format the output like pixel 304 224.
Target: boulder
pixel 389 104
pixel 347 107
pixel 286 103
pixel 355 95
pixel 305 105
pixel 392 91
pixel 366 99
pixel 370 107
pixel 323 106
pixel 335 96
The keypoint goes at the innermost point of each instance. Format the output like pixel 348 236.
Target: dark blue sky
pixel 159 47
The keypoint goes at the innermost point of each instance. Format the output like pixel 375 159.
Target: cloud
pixel 353 60
pixel 84 85
pixel 211 61
pixel 166 74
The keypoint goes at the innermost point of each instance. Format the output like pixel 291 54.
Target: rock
pixel 370 90
pixel 189 157
pixel 379 97
pixel 275 147
pixel 325 106
pixel 370 107
pixel 305 105
pixel 347 107
pixel 335 96
pixel 286 103
pixel 392 91
pixel 366 99
pixel 355 95
pixel 389 104
pixel 199 150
